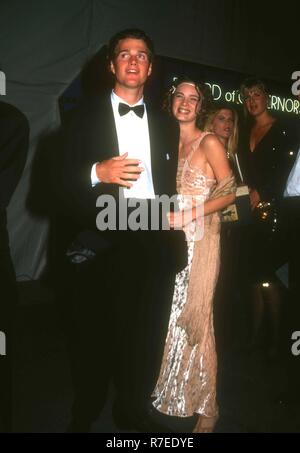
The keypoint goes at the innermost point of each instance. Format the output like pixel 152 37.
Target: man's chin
pixel 134 83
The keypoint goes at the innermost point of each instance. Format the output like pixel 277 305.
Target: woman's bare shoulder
pixel 209 140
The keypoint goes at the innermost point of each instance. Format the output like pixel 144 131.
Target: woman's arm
pixel 218 164
pixel 217 160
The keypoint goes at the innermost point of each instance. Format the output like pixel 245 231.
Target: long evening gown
pixel 187 379
pixel 266 169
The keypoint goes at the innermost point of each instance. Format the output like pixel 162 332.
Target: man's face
pixel 131 65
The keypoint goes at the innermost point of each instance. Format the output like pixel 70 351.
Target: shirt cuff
pixel 94 178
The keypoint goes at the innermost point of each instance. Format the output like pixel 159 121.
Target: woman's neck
pixel 188 133
pixel 264 119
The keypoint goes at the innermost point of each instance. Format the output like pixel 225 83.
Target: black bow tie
pixel 138 109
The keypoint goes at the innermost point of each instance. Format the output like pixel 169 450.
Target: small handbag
pixel 238 212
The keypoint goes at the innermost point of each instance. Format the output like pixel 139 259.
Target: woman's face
pixel 222 124
pixel 255 101
pixel 186 103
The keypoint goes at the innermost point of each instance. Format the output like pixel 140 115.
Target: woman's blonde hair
pixel 233 139
pixel 249 84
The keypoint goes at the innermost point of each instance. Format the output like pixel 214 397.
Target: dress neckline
pixel 197 142
pixel 261 140
pixel 186 160
pixel 200 170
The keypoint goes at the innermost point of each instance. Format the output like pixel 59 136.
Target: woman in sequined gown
pixel 264 158
pixel 187 381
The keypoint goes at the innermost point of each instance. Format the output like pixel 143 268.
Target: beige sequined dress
pixel 187 379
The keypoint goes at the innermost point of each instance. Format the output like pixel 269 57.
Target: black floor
pixel 249 386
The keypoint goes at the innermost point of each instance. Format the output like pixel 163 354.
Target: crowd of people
pixel 139 304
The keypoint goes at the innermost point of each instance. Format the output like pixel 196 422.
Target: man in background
pixel 14 136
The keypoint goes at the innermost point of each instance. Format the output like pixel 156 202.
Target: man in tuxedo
pixel 117 145
pixel 14 134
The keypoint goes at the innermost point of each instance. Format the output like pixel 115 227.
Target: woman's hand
pixel 254 198
pixel 175 219
pixel 179 219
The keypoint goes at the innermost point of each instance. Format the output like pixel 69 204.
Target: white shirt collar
pixel 115 99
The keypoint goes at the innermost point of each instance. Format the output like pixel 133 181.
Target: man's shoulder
pixel 153 109
pixel 161 117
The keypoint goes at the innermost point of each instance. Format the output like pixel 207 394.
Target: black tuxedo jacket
pixel 14 136
pixel 91 137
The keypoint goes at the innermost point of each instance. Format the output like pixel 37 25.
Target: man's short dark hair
pixel 133 33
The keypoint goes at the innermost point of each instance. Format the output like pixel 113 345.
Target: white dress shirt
pixel 133 138
pixel 293 183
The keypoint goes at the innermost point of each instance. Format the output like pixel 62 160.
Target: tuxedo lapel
pixel 155 147
pixel 164 141
pixel 104 131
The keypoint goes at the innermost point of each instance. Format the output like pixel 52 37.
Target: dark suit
pixel 14 134
pixel 127 290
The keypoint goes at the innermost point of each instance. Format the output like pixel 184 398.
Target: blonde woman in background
pixel 223 122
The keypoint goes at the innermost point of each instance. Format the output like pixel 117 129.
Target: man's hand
pixel 254 198
pixel 118 170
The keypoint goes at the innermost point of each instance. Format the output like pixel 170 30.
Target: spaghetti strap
pixel 196 144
